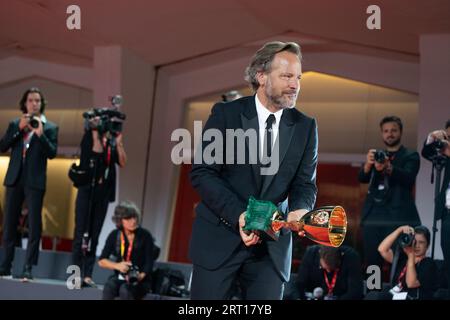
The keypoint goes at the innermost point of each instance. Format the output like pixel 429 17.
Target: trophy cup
pixel 325 225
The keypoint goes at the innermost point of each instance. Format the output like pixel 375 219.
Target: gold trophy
pixel 325 225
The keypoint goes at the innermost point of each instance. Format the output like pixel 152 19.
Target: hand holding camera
pixel 440 141
pixel 123 266
pixel 406 236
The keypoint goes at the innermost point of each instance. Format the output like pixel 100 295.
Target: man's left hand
pixel 295 216
pixel 409 251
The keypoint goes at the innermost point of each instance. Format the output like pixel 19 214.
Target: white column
pixel 118 71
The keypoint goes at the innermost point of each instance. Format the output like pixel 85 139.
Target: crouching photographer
pixel 413 275
pixel 129 251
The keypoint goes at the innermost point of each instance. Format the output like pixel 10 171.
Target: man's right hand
pixel 24 120
pixel 123 266
pixel 405 229
pixel 370 160
pixel 249 239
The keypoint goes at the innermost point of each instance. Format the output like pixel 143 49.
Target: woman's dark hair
pixel 125 210
pixel 423 231
pixel 23 101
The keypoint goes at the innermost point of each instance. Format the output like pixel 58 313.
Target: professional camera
pixel 438 144
pixel 132 275
pixel 381 156
pixel 406 240
pixel 33 121
pixel 110 119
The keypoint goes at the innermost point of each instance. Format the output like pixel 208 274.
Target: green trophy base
pixel 259 217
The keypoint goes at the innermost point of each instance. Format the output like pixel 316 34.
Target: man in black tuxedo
pixel 429 152
pixel 222 253
pixel 32 140
pixel 389 202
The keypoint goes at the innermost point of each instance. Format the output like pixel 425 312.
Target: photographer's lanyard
pixel 122 248
pixel 331 285
pixel 401 276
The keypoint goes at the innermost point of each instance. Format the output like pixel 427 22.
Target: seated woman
pixel 129 251
pixel 414 277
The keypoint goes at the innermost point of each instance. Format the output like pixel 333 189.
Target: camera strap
pixel 107 146
pixel 331 285
pixel 122 247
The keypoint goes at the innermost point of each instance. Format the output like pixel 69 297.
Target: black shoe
pixel 5 272
pixel 88 284
pixel 26 275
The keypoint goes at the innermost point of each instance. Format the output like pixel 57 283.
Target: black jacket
pixel 428 152
pixel 100 160
pixel 226 188
pixel 142 254
pixel 349 282
pixel 41 149
pixel 399 200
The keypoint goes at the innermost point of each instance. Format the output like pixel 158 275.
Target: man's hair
pixel 125 210
pixel 331 256
pixel 23 101
pixel 447 124
pixel 262 60
pixel 395 119
pixel 423 231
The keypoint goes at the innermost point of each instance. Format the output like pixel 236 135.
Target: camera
pixel 381 156
pixel 110 119
pixel 406 240
pixel 33 122
pixel 132 275
pixel 438 144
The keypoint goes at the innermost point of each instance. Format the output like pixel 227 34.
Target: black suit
pixel 216 247
pixel 382 213
pixel 26 180
pixel 443 213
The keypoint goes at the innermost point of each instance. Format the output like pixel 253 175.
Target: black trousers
pixel 445 244
pixel 250 269
pixel 15 197
pixel 120 288
pixel 94 225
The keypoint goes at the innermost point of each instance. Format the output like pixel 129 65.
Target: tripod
pixel 86 240
pixel 438 164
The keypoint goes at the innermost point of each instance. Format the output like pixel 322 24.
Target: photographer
pixel 330 274
pixel 391 175
pixel 101 149
pixel 129 251
pixel 438 145
pixel 32 141
pixel 414 275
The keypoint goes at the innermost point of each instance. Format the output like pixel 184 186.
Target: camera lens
pixel 34 123
pixel 380 156
pixel 406 240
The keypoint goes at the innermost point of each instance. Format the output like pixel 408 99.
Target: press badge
pixel 397 293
